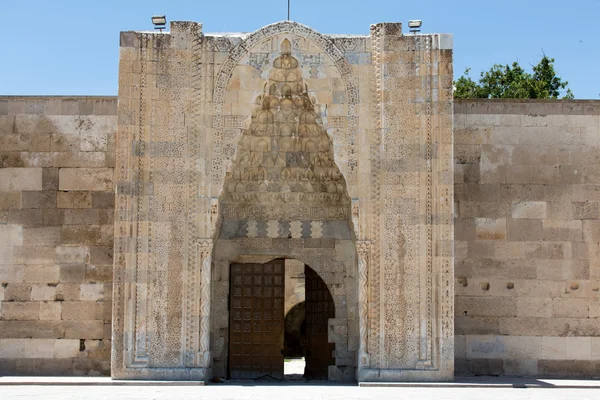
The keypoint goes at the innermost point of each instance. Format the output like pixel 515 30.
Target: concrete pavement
pixel 289 392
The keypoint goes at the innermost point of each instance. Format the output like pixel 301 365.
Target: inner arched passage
pixel 259 334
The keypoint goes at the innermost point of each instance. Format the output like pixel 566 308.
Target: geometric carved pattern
pixel 205 250
pixel 363 249
pixel 139 286
pixel 193 281
pixel 375 142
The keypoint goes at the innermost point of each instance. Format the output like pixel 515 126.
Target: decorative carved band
pixel 363 248
pixel 377 39
pixel 139 357
pixel 205 247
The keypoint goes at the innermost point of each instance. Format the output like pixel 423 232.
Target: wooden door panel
pixel 256 320
pixel 319 308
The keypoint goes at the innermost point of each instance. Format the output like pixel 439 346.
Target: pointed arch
pixel 242 48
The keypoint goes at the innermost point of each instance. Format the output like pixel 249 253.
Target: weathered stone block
pixel 91 141
pixel 568 368
pixel 29 329
pixel 18 179
pixel 82 217
pixel 50 310
pixel 71 254
pixel 10 200
pixel 467 325
pixel 28 217
pixel 101 255
pixel 20 311
pixel 41 236
pixel 10 236
pixel 33 124
pixel 525 230
pixel 45 366
pixel 101 273
pixel 520 367
pixel 103 200
pixel 74 199
pixel 86 179
pixel 534 307
pixel 46 274
pixel 486 307
pixel 529 210
pixel 17 292
pixel 570 308
pixel 83 329
pixel 591 230
pixel 92 291
pixel 34 255
pixel 26 348
pixel 67 291
pixel 80 234
pixel 490 229
pixel 72 273
pixel 586 210
pixel 65 348
pixel 49 178
pixel 39 199
pixel 91 367
pixel 81 310
pixel 553 348
pixel 41 292
pixel 578 348
pixel 595 348
pixel 563 230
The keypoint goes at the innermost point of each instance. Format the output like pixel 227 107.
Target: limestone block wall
pixel 527 232
pixel 56 234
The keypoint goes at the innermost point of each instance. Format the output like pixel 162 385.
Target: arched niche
pixel 316 236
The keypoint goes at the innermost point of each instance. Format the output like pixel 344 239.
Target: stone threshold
pixel 484 382
pixel 86 381
pixel 496 382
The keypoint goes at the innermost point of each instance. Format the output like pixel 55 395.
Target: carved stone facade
pixel 284 143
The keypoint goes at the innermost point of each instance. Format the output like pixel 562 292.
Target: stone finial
pixel 363 247
pixel 387 28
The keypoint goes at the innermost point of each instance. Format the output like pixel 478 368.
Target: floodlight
pixel 414 25
pixel 159 21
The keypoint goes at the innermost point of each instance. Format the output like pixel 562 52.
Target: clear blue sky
pixel 67 47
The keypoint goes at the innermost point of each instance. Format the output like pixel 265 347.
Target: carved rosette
pixel 205 247
pixel 363 248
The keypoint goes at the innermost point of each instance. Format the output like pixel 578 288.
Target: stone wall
pixel 56 234
pixel 527 230
pixel 527 236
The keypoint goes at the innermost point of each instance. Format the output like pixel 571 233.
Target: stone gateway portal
pixel 236 152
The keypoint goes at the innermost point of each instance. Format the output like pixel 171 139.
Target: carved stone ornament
pixel 205 249
pixel 363 248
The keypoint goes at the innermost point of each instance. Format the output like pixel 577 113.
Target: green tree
pixel 513 82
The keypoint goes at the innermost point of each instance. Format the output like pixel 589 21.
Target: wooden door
pixel 256 320
pixel 319 308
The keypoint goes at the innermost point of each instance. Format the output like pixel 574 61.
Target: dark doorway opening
pixel 262 340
